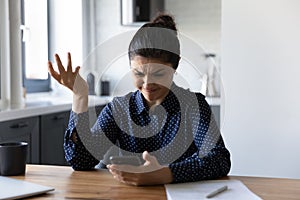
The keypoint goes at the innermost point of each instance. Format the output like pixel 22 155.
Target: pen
pixel 217 191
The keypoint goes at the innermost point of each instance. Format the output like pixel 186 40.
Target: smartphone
pixel 125 160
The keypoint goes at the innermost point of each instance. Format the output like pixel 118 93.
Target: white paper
pixel 199 190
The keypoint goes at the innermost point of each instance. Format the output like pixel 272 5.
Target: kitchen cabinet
pixel 23 130
pixel 53 127
pixel 43 133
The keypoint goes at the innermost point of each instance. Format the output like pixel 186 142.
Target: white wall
pixel 66 29
pixel 198 20
pixel 260 71
pixel 65 35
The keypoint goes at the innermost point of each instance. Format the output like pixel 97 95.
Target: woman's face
pixel 152 77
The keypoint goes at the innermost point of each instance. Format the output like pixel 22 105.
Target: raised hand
pixel 64 77
pixel 73 81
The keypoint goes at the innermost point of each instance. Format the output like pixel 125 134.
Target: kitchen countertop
pixel 46 103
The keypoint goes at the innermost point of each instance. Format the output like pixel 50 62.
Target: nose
pixel 148 79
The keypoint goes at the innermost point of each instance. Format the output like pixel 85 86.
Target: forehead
pixel 140 61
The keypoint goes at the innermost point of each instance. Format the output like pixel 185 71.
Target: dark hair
pixel 157 39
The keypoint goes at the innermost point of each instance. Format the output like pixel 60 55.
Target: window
pixel 0 68
pixel 3 54
pixel 35 45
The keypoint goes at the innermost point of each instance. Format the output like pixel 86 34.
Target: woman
pixel 172 129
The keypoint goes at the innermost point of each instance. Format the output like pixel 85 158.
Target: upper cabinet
pixel 137 12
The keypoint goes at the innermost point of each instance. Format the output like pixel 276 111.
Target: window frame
pixel 4 53
pixel 34 85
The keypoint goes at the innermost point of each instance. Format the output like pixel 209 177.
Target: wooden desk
pixel 100 185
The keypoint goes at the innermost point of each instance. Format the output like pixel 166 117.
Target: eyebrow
pixel 136 70
pixel 159 70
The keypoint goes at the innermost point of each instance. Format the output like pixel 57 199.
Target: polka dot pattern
pixel 181 133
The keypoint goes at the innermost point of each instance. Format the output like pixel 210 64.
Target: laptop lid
pixel 16 189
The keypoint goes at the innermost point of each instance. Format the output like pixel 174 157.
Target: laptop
pixel 15 189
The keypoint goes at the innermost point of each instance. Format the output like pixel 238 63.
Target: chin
pixel 150 97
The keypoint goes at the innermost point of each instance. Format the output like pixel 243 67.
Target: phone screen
pixel 125 160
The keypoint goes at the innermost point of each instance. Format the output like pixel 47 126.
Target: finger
pixel 50 67
pixel 151 163
pixel 69 62
pixel 113 172
pixel 149 158
pixel 116 168
pixel 77 70
pixel 126 168
pixel 52 72
pixel 61 68
pixel 128 178
pixel 128 181
pixel 117 173
pixel 123 180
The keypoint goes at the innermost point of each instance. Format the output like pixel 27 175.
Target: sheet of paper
pixel 199 190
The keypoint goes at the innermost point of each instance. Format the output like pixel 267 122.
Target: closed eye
pixel 137 73
pixel 158 74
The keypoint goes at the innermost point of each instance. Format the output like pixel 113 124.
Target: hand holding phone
pixel 125 160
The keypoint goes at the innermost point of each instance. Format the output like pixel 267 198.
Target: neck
pixel 153 104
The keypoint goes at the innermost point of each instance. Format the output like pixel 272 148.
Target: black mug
pixel 13 158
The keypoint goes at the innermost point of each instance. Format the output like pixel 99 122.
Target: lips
pixel 150 90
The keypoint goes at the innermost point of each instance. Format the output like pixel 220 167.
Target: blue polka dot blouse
pixel 181 133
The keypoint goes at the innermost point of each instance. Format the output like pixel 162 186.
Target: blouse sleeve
pixel 91 143
pixel 212 159
pixel 75 152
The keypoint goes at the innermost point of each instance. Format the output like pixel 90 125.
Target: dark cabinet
pixel 23 130
pixel 53 127
pixel 44 135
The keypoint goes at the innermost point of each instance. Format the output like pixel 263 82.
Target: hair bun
pixel 165 21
